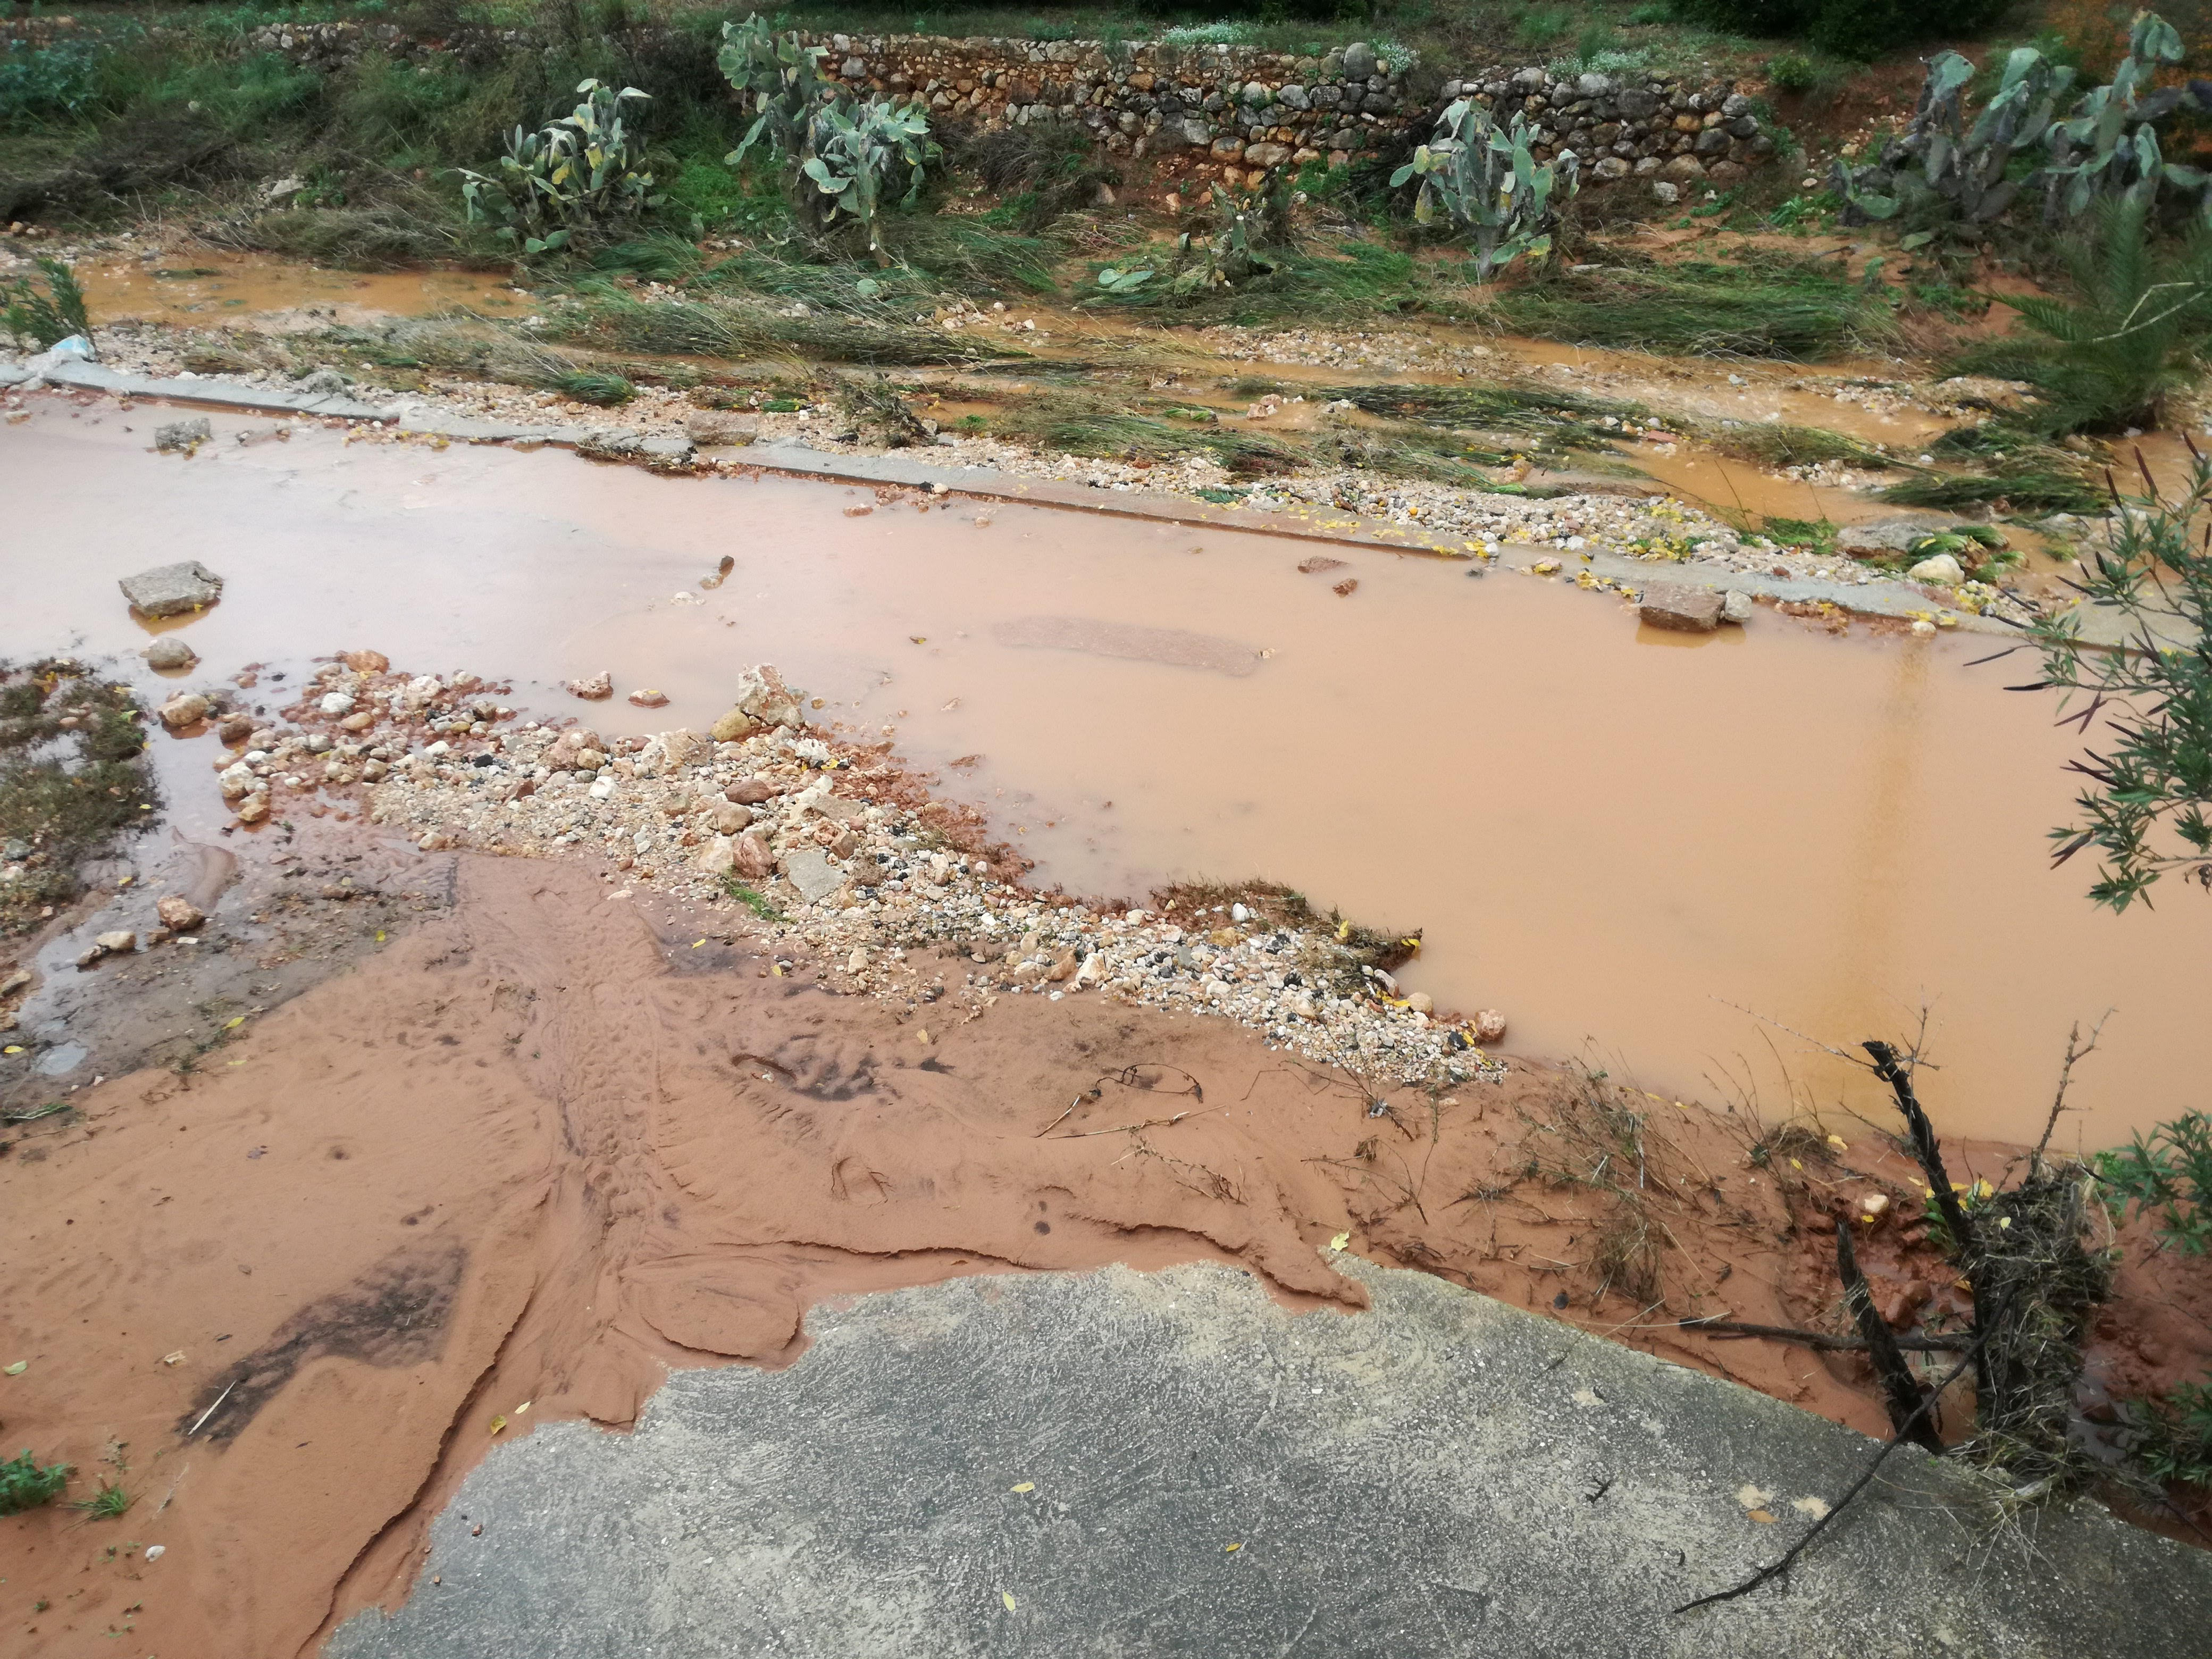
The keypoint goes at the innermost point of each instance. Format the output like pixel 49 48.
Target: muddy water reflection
pixel 1622 840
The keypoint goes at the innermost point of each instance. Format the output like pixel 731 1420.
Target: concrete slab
pixel 1172 1464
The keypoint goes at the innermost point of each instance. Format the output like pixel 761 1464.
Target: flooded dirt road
pixel 1623 839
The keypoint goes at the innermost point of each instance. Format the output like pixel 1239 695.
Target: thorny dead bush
pixel 2026 1255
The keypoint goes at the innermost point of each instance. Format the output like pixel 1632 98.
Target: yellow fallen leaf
pixel 523 1407
pixel 497 1424
pixel 1339 1241
pixel 19 1368
pixel 176 1359
pixel 234 1022
pixel 696 943
pixel 1795 1164
pixel 1003 1595
pixel 12 1048
pixel 1026 1486
pixel 1839 1143
pixel 1343 932
pixel 776 969
pixel 380 936
pixel 922 1034
pixel 1230 1549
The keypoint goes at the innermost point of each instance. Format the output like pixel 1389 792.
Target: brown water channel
pixel 1623 839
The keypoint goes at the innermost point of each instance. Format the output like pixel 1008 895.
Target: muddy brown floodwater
pixel 1626 840
pixel 203 285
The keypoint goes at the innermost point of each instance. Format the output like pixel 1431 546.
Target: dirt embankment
pixel 543 1149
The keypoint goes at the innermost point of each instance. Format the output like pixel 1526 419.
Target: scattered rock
pixel 809 870
pixel 254 809
pixel 234 730
pixel 750 791
pixel 1489 1026
pixel 116 943
pixel 13 982
pixel 710 427
pixel 367 662
pixel 170 590
pixel 179 915
pixel 718 857
pixel 594 689
pixel 728 818
pixel 1685 609
pixel 1943 570
pixel 755 856
pixel 1317 563
pixel 184 710
pixel 762 700
pixel 1736 606
pixel 170 653
pixel 186 434
pixel 645 697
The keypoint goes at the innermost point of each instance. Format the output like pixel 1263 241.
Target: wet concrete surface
pixel 1170 1464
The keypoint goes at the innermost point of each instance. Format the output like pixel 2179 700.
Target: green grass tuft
pixel 1801 311
pixel 25 1486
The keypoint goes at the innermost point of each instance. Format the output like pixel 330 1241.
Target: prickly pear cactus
pixel 1489 183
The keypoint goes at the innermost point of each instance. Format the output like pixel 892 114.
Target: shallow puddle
pixel 212 286
pixel 1631 842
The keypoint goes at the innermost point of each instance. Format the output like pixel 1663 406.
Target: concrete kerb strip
pixel 1172 1463
pixel 1879 598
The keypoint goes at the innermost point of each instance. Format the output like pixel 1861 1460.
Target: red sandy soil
pixel 541 1150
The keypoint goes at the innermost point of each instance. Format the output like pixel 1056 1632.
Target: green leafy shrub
pixel 583 173
pixel 2168 1174
pixel 1792 71
pixel 1489 185
pixel 1849 28
pixel 41 82
pixel 2151 775
pixel 44 307
pixel 25 1486
pixel 2111 355
pixel 2176 1441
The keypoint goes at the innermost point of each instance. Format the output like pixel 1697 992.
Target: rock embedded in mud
pixel 234 730
pixel 170 653
pixel 593 689
pixel 1736 606
pixel 1685 610
pixel 186 434
pixel 184 710
pixel 171 590
pixel 367 662
pixel 645 697
pixel 755 856
pixel 1489 1026
pixel 1943 570
pixel 254 809
pixel 116 943
pixel 178 914
pixel 1884 536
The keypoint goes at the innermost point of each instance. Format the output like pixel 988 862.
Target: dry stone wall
pixel 1236 110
